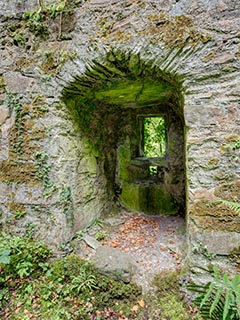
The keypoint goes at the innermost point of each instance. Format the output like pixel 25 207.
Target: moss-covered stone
pixel 134 93
pixel 151 199
pixel 214 217
pixel 18 172
pixel 16 206
pixel 228 191
pixel 2 85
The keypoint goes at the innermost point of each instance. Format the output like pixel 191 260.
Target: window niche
pixel 152 144
pixel 151 160
pixel 153 136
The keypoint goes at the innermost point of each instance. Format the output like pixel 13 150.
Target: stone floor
pixel 156 243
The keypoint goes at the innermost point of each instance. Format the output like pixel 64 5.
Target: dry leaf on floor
pixel 141 303
pixel 135 308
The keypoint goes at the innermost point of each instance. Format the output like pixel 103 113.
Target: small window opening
pixel 153 170
pixel 154 137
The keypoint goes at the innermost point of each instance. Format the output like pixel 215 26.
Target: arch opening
pixel 112 104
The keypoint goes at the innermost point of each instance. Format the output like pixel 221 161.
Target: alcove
pixel 115 103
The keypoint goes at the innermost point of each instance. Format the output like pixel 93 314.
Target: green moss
pixel 153 199
pixel 2 85
pixel 18 172
pixel 123 80
pixel 214 217
pixel 19 39
pixel 213 163
pixel 168 300
pixel 228 191
pixel 134 92
pixel 23 62
pixel 16 206
pixel 173 308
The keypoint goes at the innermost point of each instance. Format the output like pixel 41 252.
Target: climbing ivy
pixel 18 138
pixel 43 168
pixel 67 203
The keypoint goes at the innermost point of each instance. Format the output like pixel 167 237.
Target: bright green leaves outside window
pixel 154 136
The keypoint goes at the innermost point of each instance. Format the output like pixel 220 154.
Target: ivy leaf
pixel 5 256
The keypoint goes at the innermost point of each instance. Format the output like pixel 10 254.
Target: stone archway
pixel 107 103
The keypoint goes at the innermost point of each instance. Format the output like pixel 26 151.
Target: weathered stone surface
pixel 14 7
pixel 114 262
pixel 91 241
pixel 221 243
pixel 114 221
pixel 17 83
pixel 4 113
pixel 194 45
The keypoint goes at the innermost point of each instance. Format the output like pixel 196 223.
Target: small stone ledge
pixel 144 161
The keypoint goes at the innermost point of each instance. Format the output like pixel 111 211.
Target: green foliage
pixel 35 22
pixel 16 107
pixel 96 223
pixel 83 282
pixel 19 214
pixel 56 8
pixel 67 202
pixel 43 168
pixel 5 256
pixel 232 205
pixel 71 288
pixel 68 288
pixel 21 256
pixel 168 300
pixel 199 248
pixel 172 308
pixel 220 298
pixel 154 137
pixel 101 235
pixel 54 60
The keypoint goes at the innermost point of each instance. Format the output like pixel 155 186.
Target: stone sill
pixel 145 161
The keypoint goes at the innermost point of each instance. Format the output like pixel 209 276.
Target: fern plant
pixel 219 299
pixel 232 205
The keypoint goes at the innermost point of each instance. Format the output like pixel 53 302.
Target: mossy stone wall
pixel 50 169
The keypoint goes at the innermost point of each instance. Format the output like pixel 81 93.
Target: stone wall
pixel 51 179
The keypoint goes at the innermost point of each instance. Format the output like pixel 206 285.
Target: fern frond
pixel 220 299
pixel 232 205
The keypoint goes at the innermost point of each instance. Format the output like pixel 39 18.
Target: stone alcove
pixel 109 103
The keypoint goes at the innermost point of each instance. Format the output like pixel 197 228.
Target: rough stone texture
pixel 91 242
pixel 114 262
pixel 194 44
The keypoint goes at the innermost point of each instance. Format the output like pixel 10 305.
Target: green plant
pixel 5 256
pixel 101 235
pixel 84 281
pixel 43 169
pixel 232 205
pixel 56 8
pixel 35 22
pixel 67 202
pixel 154 136
pixel 96 223
pixel 220 298
pixel 16 106
pixel 199 248
pixel 23 255
pixel 19 214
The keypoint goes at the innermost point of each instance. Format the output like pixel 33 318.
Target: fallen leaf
pixel 135 308
pixel 141 303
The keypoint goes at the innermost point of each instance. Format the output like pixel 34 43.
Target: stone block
pixel 114 262
pixel 4 113
pixel 16 83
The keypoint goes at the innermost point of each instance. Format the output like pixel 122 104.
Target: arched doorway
pixel 112 104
